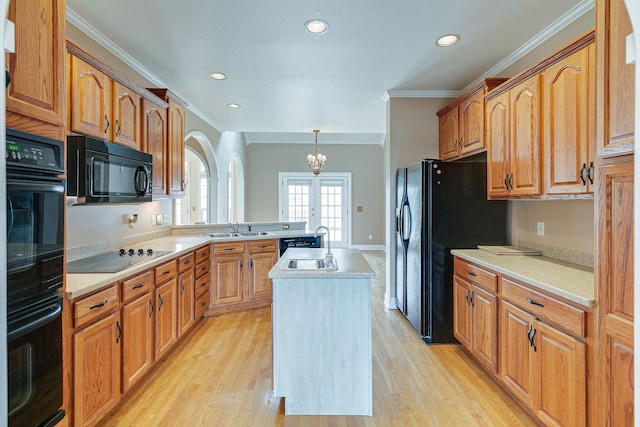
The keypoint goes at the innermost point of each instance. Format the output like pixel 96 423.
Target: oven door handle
pixel 35 324
pixel 15 185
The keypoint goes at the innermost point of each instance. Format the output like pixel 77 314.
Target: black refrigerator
pixel 440 206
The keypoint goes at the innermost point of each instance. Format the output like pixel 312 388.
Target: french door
pixel 318 200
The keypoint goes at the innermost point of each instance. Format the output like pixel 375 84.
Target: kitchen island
pixel 322 358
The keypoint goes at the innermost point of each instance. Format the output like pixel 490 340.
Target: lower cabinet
pixel 544 367
pixel 137 348
pixel 96 369
pixel 186 302
pixel 166 317
pixel 262 257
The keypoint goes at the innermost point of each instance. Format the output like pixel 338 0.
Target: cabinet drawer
pixel 262 246
pixel 186 262
pixel 202 284
pixel 476 275
pixel 95 306
pixel 226 248
pixel 203 253
pixel 202 268
pixel 567 317
pixel 166 271
pixel 202 303
pixel 137 285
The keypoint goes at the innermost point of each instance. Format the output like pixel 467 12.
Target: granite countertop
pixel 570 281
pixel 351 265
pixel 78 284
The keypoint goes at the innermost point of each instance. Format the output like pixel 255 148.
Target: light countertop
pixel 351 265
pixel 570 281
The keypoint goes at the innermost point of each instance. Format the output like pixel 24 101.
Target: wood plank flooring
pixel 220 375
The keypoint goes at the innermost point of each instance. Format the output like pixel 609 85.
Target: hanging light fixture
pixel 316 162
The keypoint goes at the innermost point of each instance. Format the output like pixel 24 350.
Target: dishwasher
pixel 300 242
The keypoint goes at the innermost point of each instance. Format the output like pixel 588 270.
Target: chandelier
pixel 316 162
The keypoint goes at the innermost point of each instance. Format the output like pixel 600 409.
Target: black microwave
pixel 104 172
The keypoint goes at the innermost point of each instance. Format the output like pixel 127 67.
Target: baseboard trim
pixel 368 247
pixel 390 303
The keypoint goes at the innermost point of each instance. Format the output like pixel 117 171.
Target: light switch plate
pixel 631 49
pixel 540 228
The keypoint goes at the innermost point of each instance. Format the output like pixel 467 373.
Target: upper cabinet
pixel 615 90
pixel 175 138
pixel 540 128
pixel 461 123
pixel 154 136
pixel 569 127
pixel 36 97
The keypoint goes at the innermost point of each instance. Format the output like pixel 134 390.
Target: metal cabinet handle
pixel 161 302
pixel 119 332
pixel 229 249
pixel 506 184
pixel 117 128
pixel 204 284
pixel 467 297
pixel 102 304
pixel 151 308
pixel 106 123
pixel 529 334
pixel 530 301
pixel 251 263
pixel 582 171
pixel 139 286
pixel 181 287
pixel 240 264
pixel 187 262
pixel 510 181
pixel 473 294
pixel 590 173
pixel 203 268
pixel 164 273
pixel 471 273
pixel 533 340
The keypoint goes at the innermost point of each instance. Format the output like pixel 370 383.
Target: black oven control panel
pixel 33 150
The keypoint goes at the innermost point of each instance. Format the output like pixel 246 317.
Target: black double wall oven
pixel 35 236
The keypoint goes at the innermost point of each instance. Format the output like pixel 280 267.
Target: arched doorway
pixel 195 207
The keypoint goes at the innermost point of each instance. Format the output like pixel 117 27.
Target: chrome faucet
pixel 234 227
pixel 329 256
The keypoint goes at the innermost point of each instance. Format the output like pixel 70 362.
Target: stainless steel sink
pixel 223 235
pixel 254 233
pixel 311 264
pixel 232 235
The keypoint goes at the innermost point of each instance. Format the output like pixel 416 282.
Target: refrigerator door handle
pixel 406 222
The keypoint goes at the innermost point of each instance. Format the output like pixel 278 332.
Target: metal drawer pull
pixel 229 249
pixel 530 301
pixel 166 272
pixel 204 284
pixel 471 273
pixel 262 246
pixel 187 262
pixel 203 268
pixel 102 304
pixel 139 286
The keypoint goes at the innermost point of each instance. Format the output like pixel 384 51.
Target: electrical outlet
pixel 153 220
pixel 540 228
pixel 159 219
pixel 285 226
pixel 370 236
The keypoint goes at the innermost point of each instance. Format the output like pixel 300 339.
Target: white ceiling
pixel 289 82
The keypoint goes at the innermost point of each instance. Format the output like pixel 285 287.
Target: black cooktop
pixel 112 262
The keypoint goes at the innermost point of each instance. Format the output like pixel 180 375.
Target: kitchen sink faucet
pixel 328 258
pixel 234 227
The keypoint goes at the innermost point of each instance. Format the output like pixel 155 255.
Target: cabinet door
pixel 228 279
pixel 137 339
pixel 462 311
pixel 524 152
pixel 471 115
pixel 126 116
pixel 259 281
pixel 484 329
pixel 567 123
pixel 186 305
pixel 615 292
pixel 561 389
pixel 449 135
pixel 497 140
pixel 96 370
pixel 166 317
pixel 616 79
pixel 516 355
pixel 38 66
pixel 154 133
pixel 90 100
pixel 176 149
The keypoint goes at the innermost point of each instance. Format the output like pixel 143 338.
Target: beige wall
pixel 365 162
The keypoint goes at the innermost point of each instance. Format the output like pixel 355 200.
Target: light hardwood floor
pixel 220 375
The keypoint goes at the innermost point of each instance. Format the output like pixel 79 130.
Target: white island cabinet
pixel 322 334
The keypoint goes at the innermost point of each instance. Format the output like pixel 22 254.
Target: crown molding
pixel 402 93
pixel 309 138
pixel 88 29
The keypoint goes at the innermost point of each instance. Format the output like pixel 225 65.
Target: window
pixel 194 207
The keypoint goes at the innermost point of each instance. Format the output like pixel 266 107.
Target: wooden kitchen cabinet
pixel 186 301
pixel 514 134
pixel 138 328
pixel 461 123
pixel 476 312
pixel 36 99
pixel 125 116
pixel 90 99
pixel 202 281
pixel 96 369
pixel 615 291
pixel 228 273
pixel 154 142
pixel 616 80
pixel 262 257
pixel 544 365
pixel 175 141
pixel 166 319
pixel 569 124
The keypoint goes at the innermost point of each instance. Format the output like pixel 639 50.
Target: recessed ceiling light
pixel 232 105
pixel 316 26
pixel 447 40
pixel 217 75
